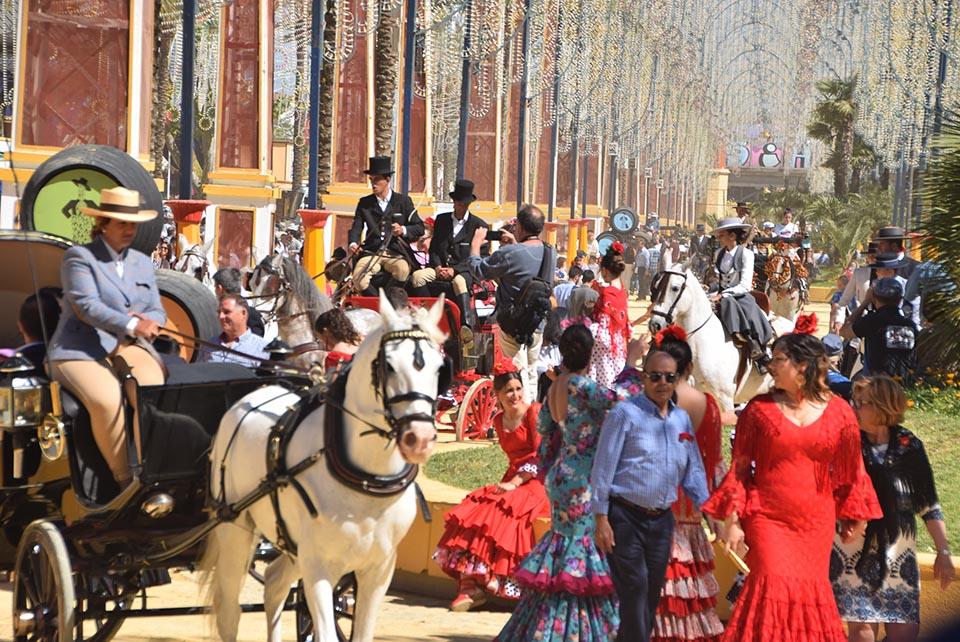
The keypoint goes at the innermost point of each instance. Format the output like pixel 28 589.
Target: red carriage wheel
pixel 475 417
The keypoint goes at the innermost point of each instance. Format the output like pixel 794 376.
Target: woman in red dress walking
pixel 611 327
pixel 796 470
pixel 491 530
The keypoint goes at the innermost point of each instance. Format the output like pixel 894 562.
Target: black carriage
pixel 82 553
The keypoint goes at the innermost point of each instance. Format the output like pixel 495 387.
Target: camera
pixel 493 235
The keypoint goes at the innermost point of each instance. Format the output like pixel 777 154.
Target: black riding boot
pixel 468 316
pixel 759 356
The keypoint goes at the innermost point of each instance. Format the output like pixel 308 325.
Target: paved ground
pixel 404 618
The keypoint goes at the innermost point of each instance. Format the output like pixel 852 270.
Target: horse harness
pixel 203 271
pixel 658 289
pixel 334 450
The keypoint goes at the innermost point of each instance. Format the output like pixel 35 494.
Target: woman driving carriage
pixel 742 318
pixel 111 311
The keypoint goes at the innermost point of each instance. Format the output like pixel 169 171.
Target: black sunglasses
pixel 655 377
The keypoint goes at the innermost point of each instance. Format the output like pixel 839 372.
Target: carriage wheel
pixel 102 603
pixel 344 600
pixel 43 592
pixel 475 417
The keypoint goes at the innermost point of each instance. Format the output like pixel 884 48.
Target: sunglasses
pixel 655 377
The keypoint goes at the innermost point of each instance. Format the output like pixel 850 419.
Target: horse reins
pixel 660 288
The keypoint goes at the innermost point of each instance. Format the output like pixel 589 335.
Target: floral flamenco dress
pixel 567 590
pixel 789 484
pixel 611 334
pixel 689 596
pixel 488 533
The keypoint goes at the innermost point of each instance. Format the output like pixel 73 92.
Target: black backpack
pixel 522 317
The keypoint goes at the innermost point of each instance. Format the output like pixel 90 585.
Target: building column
pixel 715 197
pixel 314 247
pixel 188 214
pixel 242 186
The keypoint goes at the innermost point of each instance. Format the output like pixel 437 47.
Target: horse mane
pixel 303 287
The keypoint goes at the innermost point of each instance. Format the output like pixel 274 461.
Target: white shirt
pixel 459 223
pixel 384 202
pixel 787 230
pixel 118 265
pixel 746 275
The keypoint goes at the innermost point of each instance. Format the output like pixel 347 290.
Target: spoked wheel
pixel 102 602
pixel 43 591
pixel 344 600
pixel 475 417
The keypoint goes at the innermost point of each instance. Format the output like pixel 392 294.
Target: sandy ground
pixel 404 618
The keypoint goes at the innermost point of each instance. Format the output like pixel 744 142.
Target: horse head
pixel 674 294
pixel 193 259
pixel 281 281
pixel 408 371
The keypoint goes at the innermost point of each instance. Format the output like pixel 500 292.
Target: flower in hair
pixel 806 324
pixel 673 331
pixel 503 366
pixel 617 247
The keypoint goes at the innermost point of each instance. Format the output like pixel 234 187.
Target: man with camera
pixel 450 247
pixel 523 269
pixel 391 223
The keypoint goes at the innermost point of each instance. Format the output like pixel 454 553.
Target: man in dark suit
pixel 450 247
pixel 391 224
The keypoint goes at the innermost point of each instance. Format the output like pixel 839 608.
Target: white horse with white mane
pixel 195 259
pixel 374 424
pixel 679 298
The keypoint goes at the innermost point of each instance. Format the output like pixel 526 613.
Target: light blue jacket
pixel 97 302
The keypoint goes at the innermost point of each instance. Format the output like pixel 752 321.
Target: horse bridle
pixel 276 298
pixel 659 288
pixel 399 425
pixel 204 267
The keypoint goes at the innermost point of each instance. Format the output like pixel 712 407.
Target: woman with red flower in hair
pixel 611 327
pixel 689 596
pixel 490 532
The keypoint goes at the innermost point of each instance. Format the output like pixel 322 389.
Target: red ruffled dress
pixel 789 485
pixel 611 334
pixel 488 534
pixel 334 358
pixel 689 596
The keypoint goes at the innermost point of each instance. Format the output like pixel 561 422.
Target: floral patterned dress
pixel 568 593
pixel 488 533
pixel 611 334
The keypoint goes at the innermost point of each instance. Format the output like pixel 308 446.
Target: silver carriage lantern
pixel 23 396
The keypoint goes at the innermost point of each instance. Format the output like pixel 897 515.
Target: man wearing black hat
pixel 450 247
pixel 391 223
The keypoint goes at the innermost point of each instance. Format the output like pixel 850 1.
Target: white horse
pixel 383 423
pixel 785 272
pixel 679 298
pixel 195 259
pixel 286 295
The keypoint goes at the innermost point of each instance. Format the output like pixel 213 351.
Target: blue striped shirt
pixel 247 343
pixel 642 458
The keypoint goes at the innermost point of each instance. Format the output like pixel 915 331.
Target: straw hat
pixel 122 204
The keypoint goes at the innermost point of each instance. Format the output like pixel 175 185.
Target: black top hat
pixel 463 191
pixel 380 166
pixel 890 233
pixel 700 227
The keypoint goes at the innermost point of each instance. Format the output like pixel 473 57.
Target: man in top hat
pixel 450 247
pixel 391 224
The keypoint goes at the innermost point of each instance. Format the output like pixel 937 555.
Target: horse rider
pixel 450 247
pixel 391 223
pixel 742 318
pixel 111 310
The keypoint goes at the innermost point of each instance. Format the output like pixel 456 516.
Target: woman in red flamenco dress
pixel 491 530
pixel 611 327
pixel 796 470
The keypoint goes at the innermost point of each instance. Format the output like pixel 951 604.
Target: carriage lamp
pixel 22 395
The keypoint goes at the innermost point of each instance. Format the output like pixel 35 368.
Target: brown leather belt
pixel 649 512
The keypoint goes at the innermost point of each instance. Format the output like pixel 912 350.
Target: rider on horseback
pixel 742 318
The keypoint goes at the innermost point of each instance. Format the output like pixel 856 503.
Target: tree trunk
pixel 842 172
pixel 885 178
pixel 386 71
pixel 327 97
pixel 162 93
pixel 856 178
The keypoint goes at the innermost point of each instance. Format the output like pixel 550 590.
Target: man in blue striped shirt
pixel 646 450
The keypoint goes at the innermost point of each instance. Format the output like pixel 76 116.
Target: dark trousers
pixel 638 566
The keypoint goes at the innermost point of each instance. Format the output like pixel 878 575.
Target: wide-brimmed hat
pixel 890 233
pixel 122 204
pixel 768 225
pixel 888 288
pixel 732 223
pixel 741 205
pixel 888 260
pixel 700 227
pixel 380 166
pixel 463 191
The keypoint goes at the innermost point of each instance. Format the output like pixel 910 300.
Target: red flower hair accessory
pixel 504 366
pixel 806 324
pixel 674 332
pixel 617 247
pixel 685 436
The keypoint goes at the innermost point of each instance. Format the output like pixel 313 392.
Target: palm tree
pixel 386 70
pixel 162 86
pixel 941 195
pixel 327 98
pixel 832 124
